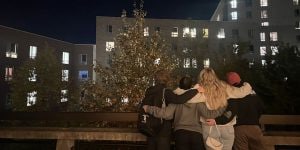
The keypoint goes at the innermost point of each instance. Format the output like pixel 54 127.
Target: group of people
pixel 228 111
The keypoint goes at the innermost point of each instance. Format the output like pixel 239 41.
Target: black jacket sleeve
pixel 229 113
pixel 179 99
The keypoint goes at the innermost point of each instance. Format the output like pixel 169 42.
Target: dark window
pixel 235 32
pixel 83 59
pixel 251 48
pixel 157 29
pixel 298 38
pixel 250 33
pixel 248 3
pixel 109 28
pixel 297 12
pixel 249 14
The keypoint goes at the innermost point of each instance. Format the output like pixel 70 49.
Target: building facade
pixel 263 24
pixel 17 46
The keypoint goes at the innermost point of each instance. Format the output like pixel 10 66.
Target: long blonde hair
pixel 215 89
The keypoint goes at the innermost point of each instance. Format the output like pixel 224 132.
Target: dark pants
pixel 248 137
pixel 158 143
pixel 188 140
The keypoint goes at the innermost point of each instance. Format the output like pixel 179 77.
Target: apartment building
pixel 264 24
pixel 17 46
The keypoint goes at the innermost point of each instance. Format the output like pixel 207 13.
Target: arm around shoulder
pixel 235 92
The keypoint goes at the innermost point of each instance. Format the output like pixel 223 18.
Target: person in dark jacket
pixel 247 111
pixel 187 127
pixel 153 97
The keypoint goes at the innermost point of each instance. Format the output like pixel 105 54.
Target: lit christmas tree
pixel 134 61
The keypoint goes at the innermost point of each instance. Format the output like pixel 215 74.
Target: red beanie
pixel 233 78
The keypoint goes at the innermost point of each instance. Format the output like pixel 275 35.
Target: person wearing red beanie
pixel 246 111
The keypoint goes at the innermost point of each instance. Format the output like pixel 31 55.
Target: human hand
pixel 210 122
pixel 199 88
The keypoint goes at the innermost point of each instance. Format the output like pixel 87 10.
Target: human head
pixel 215 89
pixel 185 83
pixel 162 77
pixel 233 78
pixel 207 76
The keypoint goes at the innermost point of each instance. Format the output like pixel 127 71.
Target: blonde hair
pixel 215 89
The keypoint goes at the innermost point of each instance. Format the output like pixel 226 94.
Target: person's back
pixel 248 111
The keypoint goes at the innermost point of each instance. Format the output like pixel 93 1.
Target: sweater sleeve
pixel 207 113
pixel 165 113
pixel 234 92
pixel 229 113
pixel 179 99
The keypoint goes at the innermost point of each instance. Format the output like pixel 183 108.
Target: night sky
pixel 75 20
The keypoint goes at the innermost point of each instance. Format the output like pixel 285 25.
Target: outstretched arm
pixel 165 113
pixel 234 92
pixel 207 113
pixel 179 99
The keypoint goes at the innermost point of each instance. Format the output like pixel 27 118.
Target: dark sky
pixel 75 20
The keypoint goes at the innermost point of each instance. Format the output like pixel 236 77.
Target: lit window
pixel 174 32
pixel 186 63
pixel 263 50
pixel 235 48
pixel 83 59
pixel 262 36
pixel 31 98
pixel 264 14
pixel 206 63
pixel 265 24
pixel 205 33
pixel 65 58
pixel 83 75
pixel 233 3
pixel 194 63
pixel 273 36
pixel 157 61
pixel 263 62
pixel 193 32
pixel 124 99
pixel 186 32
pixel 64 75
pixel 296 2
pixel 185 50
pixel 32 75
pixel 146 31
pixel 8 73
pixel 110 46
pixel 297 25
pixel 32 52
pixel 274 50
pixel 108 100
pixel 234 15
pixel 109 28
pixel 221 33
pixel 12 51
pixel 263 3
pixel 64 96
